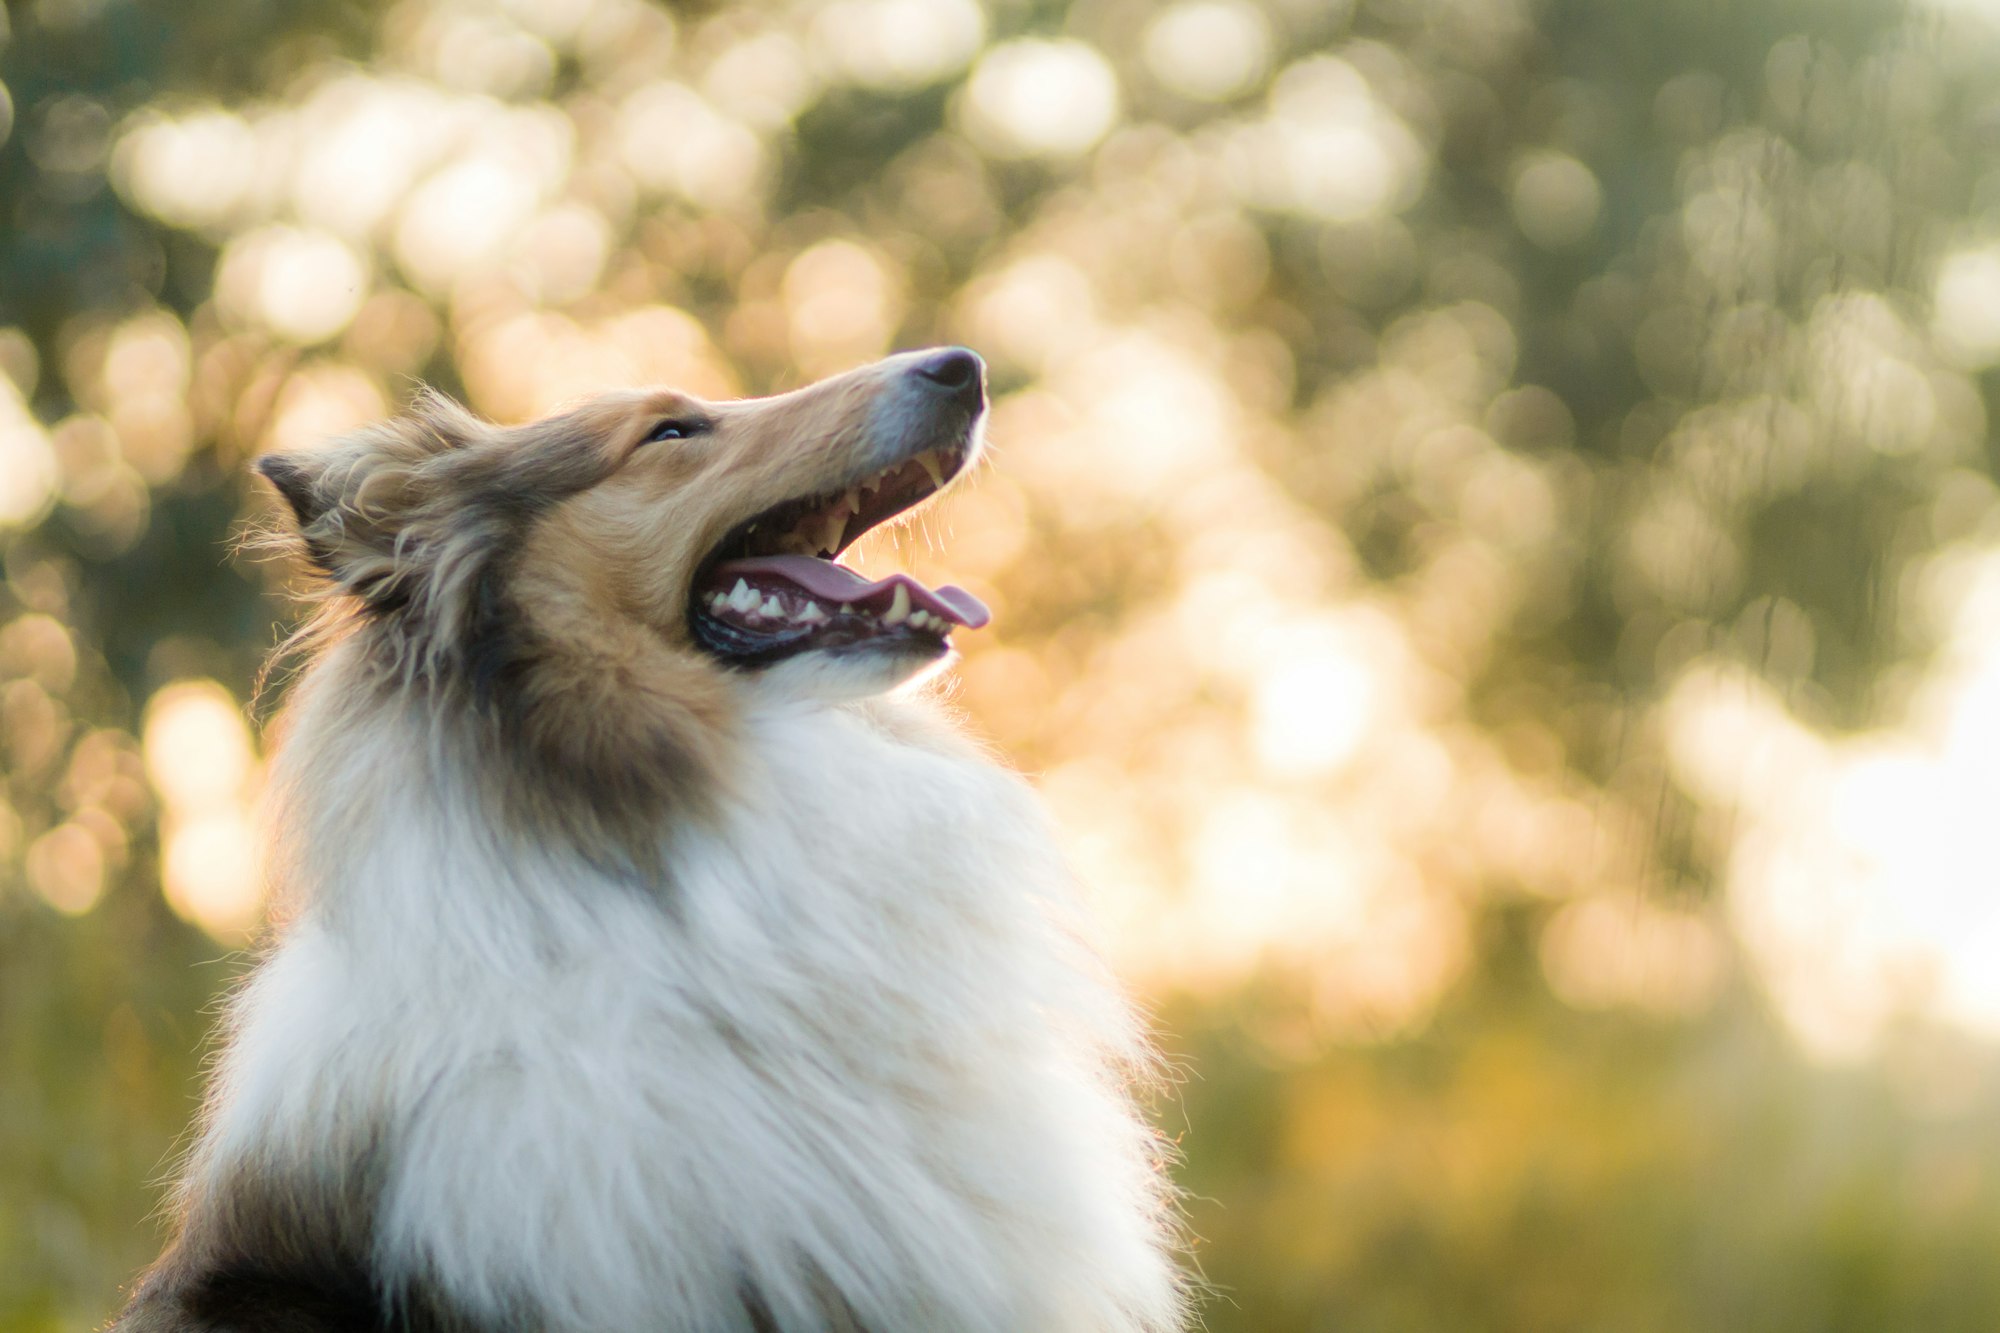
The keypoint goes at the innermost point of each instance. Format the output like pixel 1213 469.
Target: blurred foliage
pixel 1492 518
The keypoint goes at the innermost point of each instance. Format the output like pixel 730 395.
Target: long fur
pixel 618 990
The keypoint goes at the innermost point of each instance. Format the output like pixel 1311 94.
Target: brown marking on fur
pixel 534 580
pixel 282 1249
pixel 610 688
pixel 627 721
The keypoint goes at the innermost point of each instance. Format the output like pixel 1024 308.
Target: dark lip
pixel 711 636
pixel 738 650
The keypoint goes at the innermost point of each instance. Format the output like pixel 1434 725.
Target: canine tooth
pixel 809 613
pixel 899 608
pixel 772 607
pixel 854 500
pixel 741 598
pixel 929 460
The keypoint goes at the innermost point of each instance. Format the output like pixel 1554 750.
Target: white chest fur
pixel 851 1046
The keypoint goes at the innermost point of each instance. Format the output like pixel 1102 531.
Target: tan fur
pixel 552 563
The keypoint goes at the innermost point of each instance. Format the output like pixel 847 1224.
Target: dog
pixel 639 960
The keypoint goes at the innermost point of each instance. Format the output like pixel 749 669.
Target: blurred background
pixel 1492 524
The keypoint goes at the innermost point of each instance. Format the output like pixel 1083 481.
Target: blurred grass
pixel 1524 1167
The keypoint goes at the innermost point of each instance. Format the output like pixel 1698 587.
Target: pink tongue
pixel 839 585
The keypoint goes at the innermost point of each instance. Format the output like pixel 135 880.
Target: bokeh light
pixel 1967 306
pixel 1327 147
pixel 1556 200
pixel 1209 50
pixel 303 286
pixel 1491 516
pixel 200 759
pixel 27 464
pixel 1035 97
pixel 897 45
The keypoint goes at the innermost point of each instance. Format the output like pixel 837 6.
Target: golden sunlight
pixel 27 464
pixel 1208 50
pixel 201 760
pixel 1040 98
pixel 1862 875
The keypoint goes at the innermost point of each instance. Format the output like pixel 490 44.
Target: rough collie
pixel 640 965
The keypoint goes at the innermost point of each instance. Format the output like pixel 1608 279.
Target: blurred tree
pixel 1493 517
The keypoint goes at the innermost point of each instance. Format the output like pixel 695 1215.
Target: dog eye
pixel 673 429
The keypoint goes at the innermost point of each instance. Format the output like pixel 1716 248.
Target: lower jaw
pixel 740 648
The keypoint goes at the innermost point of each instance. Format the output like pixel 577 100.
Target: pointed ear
pixel 351 501
pixel 295 481
pixel 372 508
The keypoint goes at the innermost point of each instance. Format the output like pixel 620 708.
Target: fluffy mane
pixel 623 984
pixel 412 531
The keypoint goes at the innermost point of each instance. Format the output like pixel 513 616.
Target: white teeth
pixel 719 601
pixel 846 609
pixel 919 619
pixel 899 608
pixel 929 460
pixel 773 608
pixel 832 532
pixel 854 500
pixel 741 598
pixel 809 613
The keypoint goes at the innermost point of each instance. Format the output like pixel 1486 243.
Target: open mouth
pixel 774 588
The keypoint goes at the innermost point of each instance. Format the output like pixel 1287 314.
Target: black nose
pixel 957 371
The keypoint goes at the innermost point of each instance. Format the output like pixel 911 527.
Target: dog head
pixel 714 528
pixel 597 593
